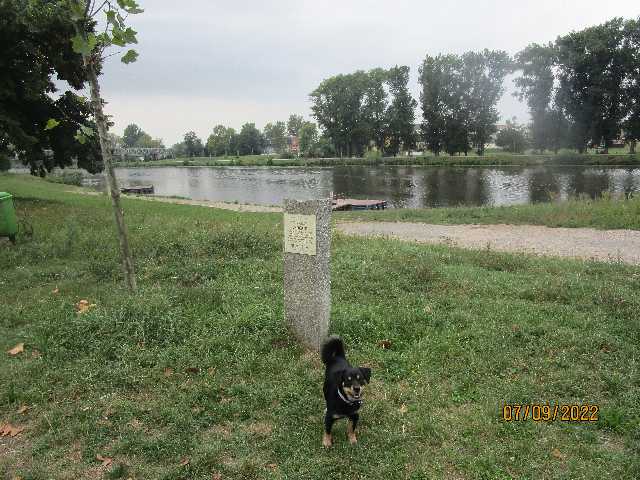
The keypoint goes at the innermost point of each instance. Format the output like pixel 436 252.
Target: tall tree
pixel 132 133
pixel 484 73
pixel 631 123
pixel 374 110
pixel 275 136
pixel 459 97
pixel 192 144
pixel 308 136
pixel 592 65
pixel 351 110
pixel 220 141
pixel 436 77
pixel 35 37
pixel 401 111
pixel 536 86
pixel 294 124
pixel 250 140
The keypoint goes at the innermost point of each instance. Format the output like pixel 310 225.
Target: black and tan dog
pixel 343 387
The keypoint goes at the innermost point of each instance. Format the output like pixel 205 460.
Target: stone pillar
pixel 307 283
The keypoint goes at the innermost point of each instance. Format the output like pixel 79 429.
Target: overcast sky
pixel 208 62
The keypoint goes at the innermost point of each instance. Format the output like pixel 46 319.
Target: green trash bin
pixel 8 221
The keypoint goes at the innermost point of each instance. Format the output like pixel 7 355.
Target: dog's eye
pixel 357 377
pixel 348 378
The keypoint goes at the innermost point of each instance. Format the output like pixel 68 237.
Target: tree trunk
pixel 112 184
pixel 632 147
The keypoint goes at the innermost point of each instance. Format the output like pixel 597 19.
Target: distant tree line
pixel 583 88
pixel 582 91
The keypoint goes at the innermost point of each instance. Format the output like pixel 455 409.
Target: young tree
pixel 92 47
pixel 401 111
pixel 513 138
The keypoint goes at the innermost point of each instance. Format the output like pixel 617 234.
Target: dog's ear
pixel 366 373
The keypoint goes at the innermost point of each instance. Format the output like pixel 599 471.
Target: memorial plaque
pixel 300 233
pixel 307 284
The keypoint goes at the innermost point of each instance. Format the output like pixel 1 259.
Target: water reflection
pixel 412 187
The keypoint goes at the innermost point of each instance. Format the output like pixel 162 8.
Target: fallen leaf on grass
pixel 83 306
pixel 272 466
pixel 558 454
pixel 9 430
pixel 384 344
pixel 106 461
pixel 23 409
pixel 192 370
pixel 56 291
pixel 216 476
pixel 168 372
pixel 19 348
pixel 403 409
pixel 184 462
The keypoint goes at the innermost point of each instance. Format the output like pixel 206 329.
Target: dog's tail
pixel 332 347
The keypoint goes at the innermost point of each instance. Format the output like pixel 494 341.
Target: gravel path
pixel 586 243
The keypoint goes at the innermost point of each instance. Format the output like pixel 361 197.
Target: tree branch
pixel 95 12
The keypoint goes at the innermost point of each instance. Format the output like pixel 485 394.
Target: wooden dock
pixel 346 204
pixel 140 190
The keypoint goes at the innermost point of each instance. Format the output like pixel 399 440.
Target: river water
pixel 401 187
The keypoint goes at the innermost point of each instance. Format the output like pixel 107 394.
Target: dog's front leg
pixel 328 423
pixel 351 428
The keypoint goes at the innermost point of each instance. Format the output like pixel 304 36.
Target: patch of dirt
pixel 260 428
pixel 585 243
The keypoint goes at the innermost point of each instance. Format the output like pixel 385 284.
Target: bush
pixel 68 178
pixel 287 155
pixel 373 155
pixel 5 163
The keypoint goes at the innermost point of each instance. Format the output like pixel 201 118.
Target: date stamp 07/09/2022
pixel 539 412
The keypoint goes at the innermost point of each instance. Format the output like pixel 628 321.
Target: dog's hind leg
pixel 351 428
pixel 328 423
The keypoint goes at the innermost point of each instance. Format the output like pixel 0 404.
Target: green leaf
pixel 82 46
pixel 51 123
pixel 77 10
pixel 87 131
pixel 111 17
pixel 79 136
pixel 130 6
pixel 130 56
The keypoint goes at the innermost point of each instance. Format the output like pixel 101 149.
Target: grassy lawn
pixel 603 213
pixel 195 375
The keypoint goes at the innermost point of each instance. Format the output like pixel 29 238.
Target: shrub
pixel 68 178
pixel 5 163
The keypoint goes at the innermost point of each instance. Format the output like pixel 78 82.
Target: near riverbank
pixel 195 375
